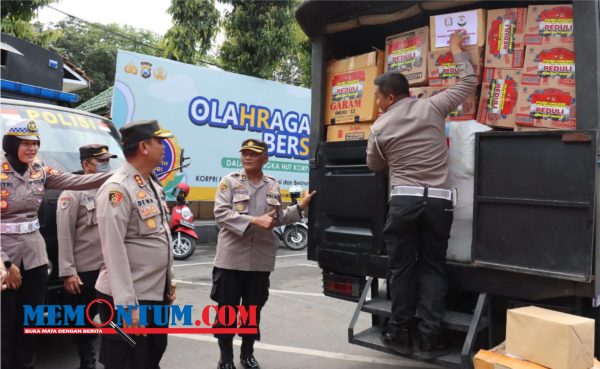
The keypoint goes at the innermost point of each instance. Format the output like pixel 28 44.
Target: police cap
pixel 140 130
pixel 25 130
pixel 95 151
pixel 255 145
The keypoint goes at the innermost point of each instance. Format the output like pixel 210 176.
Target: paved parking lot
pixel 300 327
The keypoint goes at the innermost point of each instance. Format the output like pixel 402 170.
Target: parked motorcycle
pixel 295 235
pixel 182 224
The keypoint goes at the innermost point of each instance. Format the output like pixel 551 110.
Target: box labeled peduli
pixel 471 22
pixel 407 53
pixel 505 35
pixel 549 66
pixel 549 24
pixel 547 107
pixel 350 90
pixel 443 71
pixel 550 338
pixel 499 97
pixel 348 132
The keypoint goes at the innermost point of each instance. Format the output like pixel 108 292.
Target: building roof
pixel 100 102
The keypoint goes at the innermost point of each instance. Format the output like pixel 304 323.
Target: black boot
pixel 431 347
pixel 226 347
pixel 398 340
pixel 225 365
pixel 247 350
pixel 249 362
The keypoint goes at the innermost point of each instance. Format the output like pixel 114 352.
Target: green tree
pixel 195 25
pixel 16 17
pixel 295 68
pixel 93 48
pixel 259 36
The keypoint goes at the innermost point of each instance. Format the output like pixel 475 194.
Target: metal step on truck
pixel 536 207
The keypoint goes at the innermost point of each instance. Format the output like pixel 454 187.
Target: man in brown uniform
pixel 79 251
pixel 135 237
pixel 247 207
pixel 409 139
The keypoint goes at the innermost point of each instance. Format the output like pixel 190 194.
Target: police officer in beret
pixel 79 252
pixel 135 237
pixel 23 180
pixel 247 207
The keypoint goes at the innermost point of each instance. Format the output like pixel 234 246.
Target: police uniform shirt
pixel 135 238
pixel 241 245
pixel 79 247
pixel 410 137
pixel 21 197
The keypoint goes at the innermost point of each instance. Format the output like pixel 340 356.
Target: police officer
pixel 408 138
pixel 247 207
pixel 23 181
pixel 135 238
pixel 79 251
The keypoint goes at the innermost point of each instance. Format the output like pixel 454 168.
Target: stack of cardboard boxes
pixel 539 338
pixel 524 58
pixel 529 81
pixel 351 107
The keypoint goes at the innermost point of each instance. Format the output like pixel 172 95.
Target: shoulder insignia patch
pixel 51 170
pixel 35 175
pixel 223 186
pixel 139 180
pixel 115 198
pixel 65 202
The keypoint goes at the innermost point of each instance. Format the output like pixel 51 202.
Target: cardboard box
pixel 465 111
pixel 348 132
pixel 443 71
pixel 350 90
pixel 549 66
pixel 505 38
pixel 473 22
pixel 485 359
pixel 407 53
pixel 547 107
pixel 499 97
pixel 549 24
pixel 550 338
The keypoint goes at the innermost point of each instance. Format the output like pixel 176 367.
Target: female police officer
pixel 23 180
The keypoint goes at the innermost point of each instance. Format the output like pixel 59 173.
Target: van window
pixel 62 132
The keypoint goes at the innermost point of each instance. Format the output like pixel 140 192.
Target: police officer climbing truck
pixel 380 225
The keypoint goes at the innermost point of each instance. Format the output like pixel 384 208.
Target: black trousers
pixel 88 294
pixel 18 349
pixel 233 288
pixel 416 235
pixel 115 353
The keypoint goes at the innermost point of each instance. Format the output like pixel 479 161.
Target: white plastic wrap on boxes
pixel 461 137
